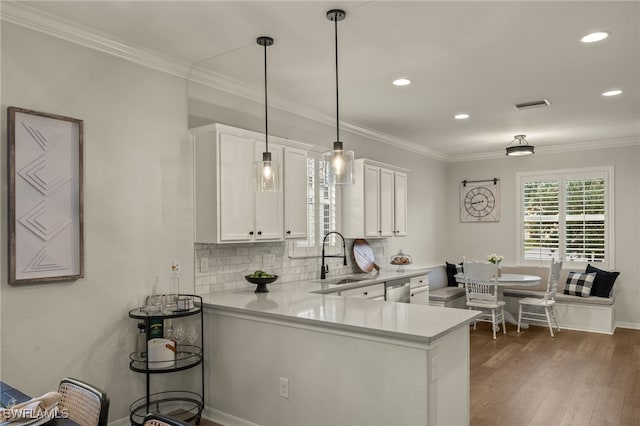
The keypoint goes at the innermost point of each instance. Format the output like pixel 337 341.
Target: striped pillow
pixel 579 284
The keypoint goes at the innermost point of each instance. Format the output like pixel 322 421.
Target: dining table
pixel 509 280
pixel 10 396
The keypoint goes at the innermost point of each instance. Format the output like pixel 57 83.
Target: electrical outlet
pixel 204 264
pixel 176 266
pixel 284 387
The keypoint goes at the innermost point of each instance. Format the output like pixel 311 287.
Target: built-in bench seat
pixel 595 314
pixel 440 294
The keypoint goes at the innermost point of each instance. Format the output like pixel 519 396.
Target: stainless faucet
pixel 325 268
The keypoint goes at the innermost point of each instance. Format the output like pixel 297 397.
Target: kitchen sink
pixel 343 280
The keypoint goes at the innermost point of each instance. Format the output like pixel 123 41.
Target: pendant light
pixel 523 147
pixel 267 171
pixel 338 163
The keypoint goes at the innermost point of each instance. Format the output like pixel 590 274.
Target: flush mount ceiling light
pixel 522 148
pixel 338 163
pixel 612 93
pixel 401 82
pixel 267 172
pixel 595 36
pixel 462 116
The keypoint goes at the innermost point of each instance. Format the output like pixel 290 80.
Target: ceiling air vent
pixel 533 104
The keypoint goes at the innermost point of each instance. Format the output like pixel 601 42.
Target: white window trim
pixel 563 173
pixel 296 252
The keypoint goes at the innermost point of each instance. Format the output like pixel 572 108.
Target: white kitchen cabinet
pixel 400 203
pixel 376 204
pixel 374 291
pixel 295 192
pixel 419 289
pixel 227 207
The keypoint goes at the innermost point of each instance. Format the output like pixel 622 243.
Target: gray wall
pixel 137 211
pixel 476 240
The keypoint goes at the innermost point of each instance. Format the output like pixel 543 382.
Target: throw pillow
pixel 604 281
pixel 579 284
pixel 452 269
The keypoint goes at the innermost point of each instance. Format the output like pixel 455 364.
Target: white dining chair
pixel 531 307
pixel 482 293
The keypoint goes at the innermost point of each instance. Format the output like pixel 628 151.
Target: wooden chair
pixel 155 419
pixel 83 403
pixel 482 293
pixel 531 307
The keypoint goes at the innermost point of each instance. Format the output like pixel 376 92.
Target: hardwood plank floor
pixel 573 379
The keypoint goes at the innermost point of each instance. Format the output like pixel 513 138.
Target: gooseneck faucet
pixel 325 268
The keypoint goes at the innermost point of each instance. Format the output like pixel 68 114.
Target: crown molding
pixel 28 17
pixel 556 149
pixel 36 20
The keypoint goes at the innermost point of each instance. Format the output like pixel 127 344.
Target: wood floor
pixel 575 378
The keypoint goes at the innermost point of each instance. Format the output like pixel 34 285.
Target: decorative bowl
pixel 261 282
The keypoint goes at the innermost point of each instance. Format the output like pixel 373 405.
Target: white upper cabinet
pixel 376 204
pixel 295 192
pixel 227 207
pixel 400 203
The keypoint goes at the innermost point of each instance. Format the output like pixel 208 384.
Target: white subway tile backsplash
pixel 228 263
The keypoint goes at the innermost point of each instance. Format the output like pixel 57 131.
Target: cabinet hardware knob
pixel 259 232
pixel 365 293
pixel 288 232
pixel 250 232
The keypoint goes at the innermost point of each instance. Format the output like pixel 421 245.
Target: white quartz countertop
pixel 300 302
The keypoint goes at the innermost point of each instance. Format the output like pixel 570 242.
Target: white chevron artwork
pixel 46 187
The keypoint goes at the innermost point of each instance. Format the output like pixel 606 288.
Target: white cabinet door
pixel 295 193
pixel 371 201
pixel 400 204
pixel 387 206
pixel 236 204
pixel 267 204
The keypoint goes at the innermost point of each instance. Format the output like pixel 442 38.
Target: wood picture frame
pixel 46 223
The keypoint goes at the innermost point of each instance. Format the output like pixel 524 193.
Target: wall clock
pixel 480 201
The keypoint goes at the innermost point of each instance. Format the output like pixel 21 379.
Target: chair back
pixel 83 403
pixel 552 282
pixel 155 419
pixel 480 281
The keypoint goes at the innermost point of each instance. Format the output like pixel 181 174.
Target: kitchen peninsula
pixel 301 354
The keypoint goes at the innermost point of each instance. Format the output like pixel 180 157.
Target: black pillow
pixel 452 269
pixel 604 281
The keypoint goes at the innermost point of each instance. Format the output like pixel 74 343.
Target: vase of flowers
pixel 496 259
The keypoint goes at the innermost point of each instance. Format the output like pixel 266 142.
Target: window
pixel 322 211
pixel 566 215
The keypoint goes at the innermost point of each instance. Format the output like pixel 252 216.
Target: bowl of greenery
pixel 261 278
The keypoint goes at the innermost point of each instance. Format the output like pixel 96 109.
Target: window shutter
pixel 585 220
pixel 541 220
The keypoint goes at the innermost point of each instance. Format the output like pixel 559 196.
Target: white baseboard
pixel 209 413
pixel 225 418
pixel 631 325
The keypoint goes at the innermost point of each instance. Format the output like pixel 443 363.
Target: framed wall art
pixel 45 197
pixel 480 200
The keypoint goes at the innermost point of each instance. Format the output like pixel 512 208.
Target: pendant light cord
pixel 266 110
pixel 337 92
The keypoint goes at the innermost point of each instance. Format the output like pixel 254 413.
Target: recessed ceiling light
pixel 401 82
pixel 612 93
pixel 595 36
pixel 461 116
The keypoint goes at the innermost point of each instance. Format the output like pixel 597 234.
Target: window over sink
pixel 322 211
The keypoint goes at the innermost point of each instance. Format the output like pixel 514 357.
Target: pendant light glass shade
pixel 523 147
pixel 338 165
pixel 338 162
pixel 266 171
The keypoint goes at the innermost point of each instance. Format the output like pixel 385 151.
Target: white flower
pixel 495 258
